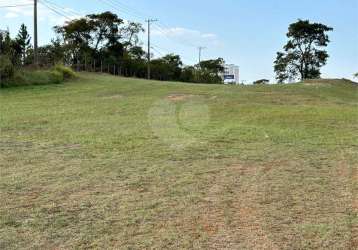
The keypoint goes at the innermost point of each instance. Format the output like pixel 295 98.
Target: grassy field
pixel 105 162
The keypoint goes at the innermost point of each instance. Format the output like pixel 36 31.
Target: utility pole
pixel 149 21
pixel 36 58
pixel 200 50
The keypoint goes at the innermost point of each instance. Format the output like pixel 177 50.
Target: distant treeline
pixel 102 42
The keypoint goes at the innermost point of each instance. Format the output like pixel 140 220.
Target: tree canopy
pixel 303 55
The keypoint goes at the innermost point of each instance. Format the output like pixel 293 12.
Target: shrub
pixel 67 72
pixel 32 77
pixel 6 70
pixel 56 77
pixel 38 77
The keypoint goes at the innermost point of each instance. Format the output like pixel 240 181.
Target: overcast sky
pixel 244 32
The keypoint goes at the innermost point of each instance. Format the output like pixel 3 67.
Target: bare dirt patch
pixel 179 97
pixel 112 97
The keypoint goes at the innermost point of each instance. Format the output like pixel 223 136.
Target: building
pixel 231 74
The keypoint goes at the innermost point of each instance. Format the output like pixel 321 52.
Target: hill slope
pixel 105 162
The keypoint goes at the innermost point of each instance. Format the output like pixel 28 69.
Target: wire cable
pixel 55 10
pixel 16 5
pixel 62 8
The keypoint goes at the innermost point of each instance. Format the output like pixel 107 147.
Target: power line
pixel 160 26
pixel 62 8
pixel 57 11
pixel 120 7
pixel 121 10
pixel 128 9
pixel 160 48
pixel 15 5
pixel 156 50
pixel 7 2
pixel 139 13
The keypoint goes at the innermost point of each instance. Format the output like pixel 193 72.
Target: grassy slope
pixel 121 163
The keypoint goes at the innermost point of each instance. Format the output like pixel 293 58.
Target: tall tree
pixel 100 36
pixel 77 38
pixel 10 48
pixel 174 64
pixel 214 66
pixel 303 55
pixel 105 27
pixel 210 71
pixel 130 33
pixel 23 42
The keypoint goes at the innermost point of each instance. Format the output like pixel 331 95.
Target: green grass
pixel 105 162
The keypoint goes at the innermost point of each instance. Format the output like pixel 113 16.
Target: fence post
pixel 114 69
pixel 94 65
pixel 101 66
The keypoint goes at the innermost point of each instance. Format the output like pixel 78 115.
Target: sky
pixel 247 33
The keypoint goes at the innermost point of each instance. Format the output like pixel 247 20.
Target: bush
pixel 38 77
pixel 67 72
pixel 6 70
pixel 35 77
pixel 56 77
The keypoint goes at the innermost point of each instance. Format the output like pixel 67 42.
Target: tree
pixel 210 71
pixel 356 75
pixel 134 62
pixel 188 74
pixel 174 65
pixel 52 53
pixel 6 65
pixel 215 66
pixel 23 42
pixel 100 37
pixel 77 37
pixel 6 69
pixel 10 48
pixel 130 33
pixel 137 52
pixel 105 27
pixel 303 56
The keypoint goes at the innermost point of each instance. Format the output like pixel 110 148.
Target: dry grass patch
pixel 179 97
